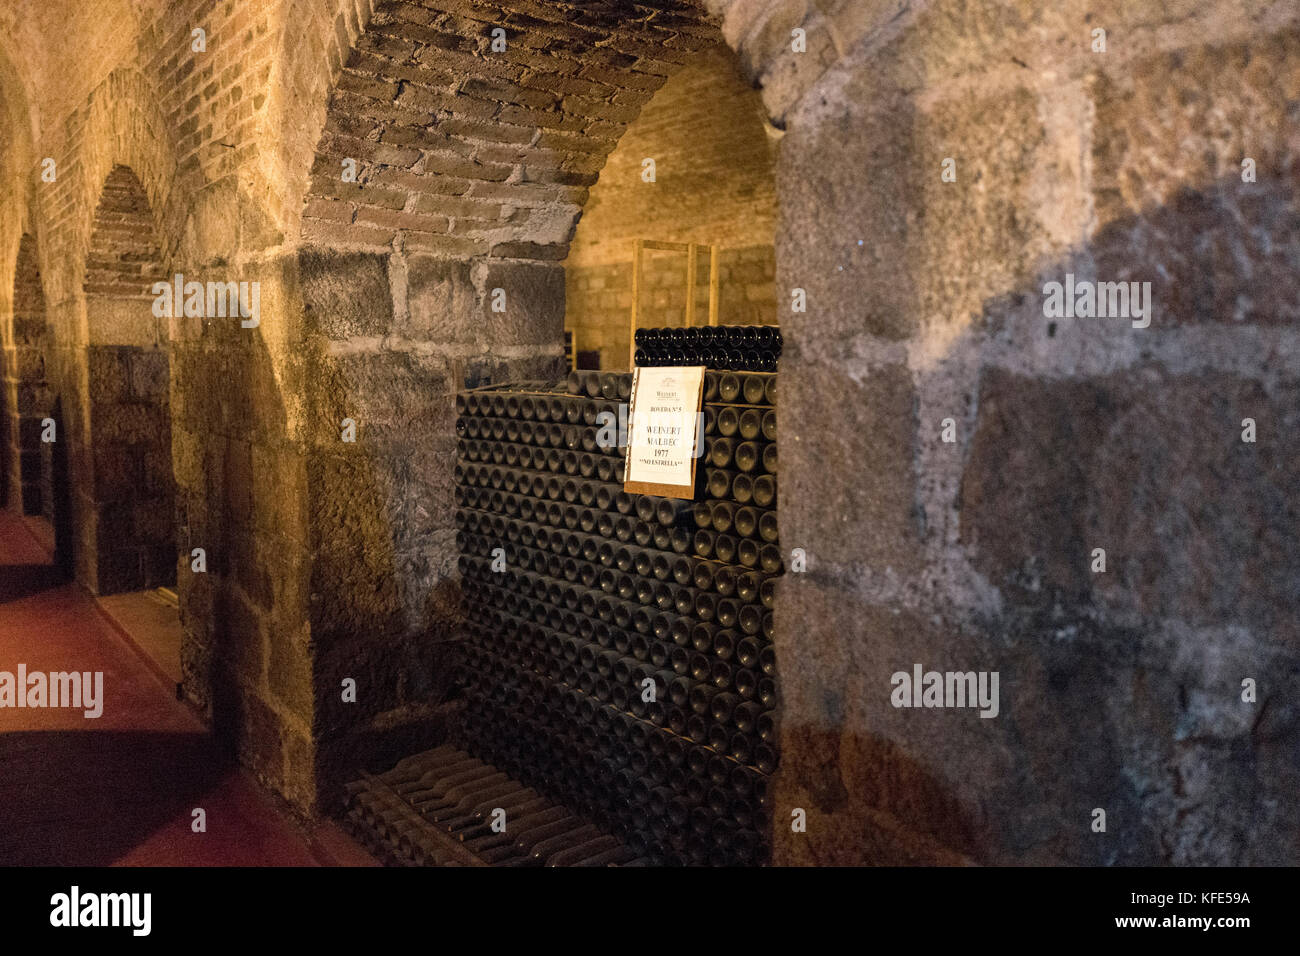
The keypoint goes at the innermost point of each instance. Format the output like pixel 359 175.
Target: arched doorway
pixel 26 391
pixel 696 166
pixel 132 541
pixel 434 259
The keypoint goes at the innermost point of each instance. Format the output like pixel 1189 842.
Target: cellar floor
pixel 120 789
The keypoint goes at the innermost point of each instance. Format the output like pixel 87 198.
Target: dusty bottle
pixel 746 521
pixel 718 483
pixel 710 386
pixel 748 456
pixel 721 516
pixel 728 421
pixel 752 389
pixel 742 488
pixel 748 685
pixel 725 580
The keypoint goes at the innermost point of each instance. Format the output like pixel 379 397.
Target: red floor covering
pixel 119 789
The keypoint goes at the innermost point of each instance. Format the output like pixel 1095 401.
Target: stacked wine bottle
pixel 619 656
pixel 729 347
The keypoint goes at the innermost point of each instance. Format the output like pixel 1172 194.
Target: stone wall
pixel 329 559
pixel 131 85
pixel 1120 690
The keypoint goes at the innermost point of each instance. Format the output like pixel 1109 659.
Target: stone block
pixel 30 445
pixel 1167 747
pixel 152 521
pixel 353 586
pixel 108 371
pixel 159 481
pixel 118 570
pixel 1192 519
pixel 1024 491
pixel 406 390
pixel 251 556
pixel 118 475
pixel 441 300
pixel 279 490
pixel 393 673
pixel 159 564
pixel 127 424
pixel 345 294
pixel 249 726
pixel 241 639
pixel 534 303
pixel 237 481
pixel 850 759
pixel 848 487
pixel 28 364
pixel 1172 206
pixel 149 376
pixel 289 674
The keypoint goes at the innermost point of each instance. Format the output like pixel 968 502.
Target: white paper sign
pixel 661 436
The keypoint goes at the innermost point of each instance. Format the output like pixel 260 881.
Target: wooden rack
pixel 692 250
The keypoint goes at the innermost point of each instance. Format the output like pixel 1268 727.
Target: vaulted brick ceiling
pixel 468 151
pixel 124 258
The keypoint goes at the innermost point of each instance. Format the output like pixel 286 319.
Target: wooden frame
pixel 692 250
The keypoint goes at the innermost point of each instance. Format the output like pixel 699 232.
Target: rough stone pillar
pixel 952 457
pixel 388 340
pixel 27 395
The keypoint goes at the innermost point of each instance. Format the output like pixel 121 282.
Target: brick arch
pixel 26 394
pixel 714 184
pixel 472 169
pixel 124 259
pixel 130 542
pixel 315 37
pixel 467 152
pixel 16 182
pixel 122 125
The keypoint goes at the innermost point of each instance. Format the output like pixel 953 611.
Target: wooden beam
pixel 636 291
pixel 690 285
pixel 713 285
pixel 665 246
